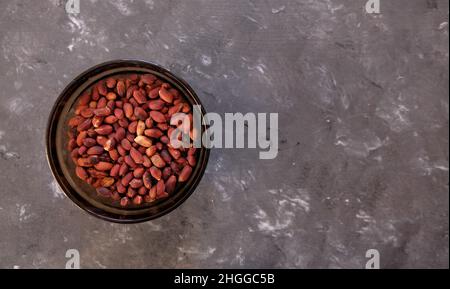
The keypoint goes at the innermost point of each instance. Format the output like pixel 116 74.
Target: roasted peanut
pixel 136 183
pixel 136 156
pixel 156 104
pixel 127 179
pixel 104 192
pixel 143 141
pixel 147 180
pixel 120 88
pixel 114 170
pixel 165 95
pixel 103 166
pixel 84 98
pixel 137 200
pixel 139 96
pixel 107 182
pixel 157 116
pixel 81 173
pixel 153 132
pixel 124 202
pixel 185 174
pixel 128 109
pixel 170 184
pixel 95 150
pixel 129 161
pixel 104 129
pixel 119 139
pixel 140 127
pixel 155 172
pixel 138 172
pixel 140 113
pixel 158 161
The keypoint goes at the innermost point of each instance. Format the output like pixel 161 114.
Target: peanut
pixel 119 139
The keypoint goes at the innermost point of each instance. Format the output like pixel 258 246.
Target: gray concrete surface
pixel 364 122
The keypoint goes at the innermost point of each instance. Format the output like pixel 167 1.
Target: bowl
pixel 63 169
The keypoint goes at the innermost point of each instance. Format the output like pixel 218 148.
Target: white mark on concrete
pixel 396 115
pixel 442 168
pixel 122 7
pixel 206 60
pixel 303 203
pixel 278 10
pixel 150 4
pixel 443 25
pixel 16 267
pixel 360 143
pixel 205 75
pixel 225 197
pixel 221 260
pixel 154 227
pixel 23 212
pixel 267 225
pixel 18 105
pixel 261 69
pixel 21 48
pixel 84 34
pixel 229 43
pixel 122 234
pixel 252 177
pixel 196 252
pixel 287 203
pixel 166 46
pixel 182 38
pixel 239 258
pixel 371 230
pixel 364 216
pixel 78 24
pixel 345 101
pixel 260 26
pixel 99 264
pixel 423 164
pixel 251 19
pixel 56 190
pixel 6 154
pixel 335 8
pixel 218 165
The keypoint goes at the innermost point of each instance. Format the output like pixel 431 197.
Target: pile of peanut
pixel 119 139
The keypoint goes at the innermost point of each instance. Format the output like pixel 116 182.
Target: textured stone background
pixel 364 123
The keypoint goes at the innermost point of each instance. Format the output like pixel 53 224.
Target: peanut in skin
pixel 119 139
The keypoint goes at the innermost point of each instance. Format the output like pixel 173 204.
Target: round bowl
pixel 63 169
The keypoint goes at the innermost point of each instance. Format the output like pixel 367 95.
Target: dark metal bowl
pixel 84 195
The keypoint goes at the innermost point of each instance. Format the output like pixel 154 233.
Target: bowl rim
pixel 54 163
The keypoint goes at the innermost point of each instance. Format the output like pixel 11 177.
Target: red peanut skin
pixel 119 139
